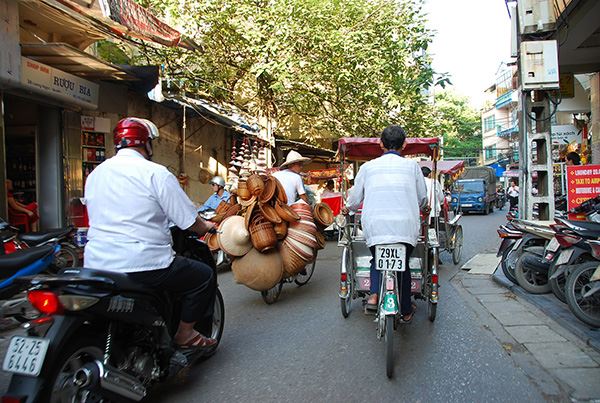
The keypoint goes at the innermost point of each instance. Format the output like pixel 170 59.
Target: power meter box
pixel 536 16
pixel 539 65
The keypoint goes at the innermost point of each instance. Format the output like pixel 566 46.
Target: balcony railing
pixel 507 130
pixel 505 99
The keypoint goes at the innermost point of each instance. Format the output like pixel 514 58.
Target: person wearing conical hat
pixel 289 176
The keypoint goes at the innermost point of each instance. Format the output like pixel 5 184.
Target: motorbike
pixel 104 337
pixel 582 290
pixel 21 263
pixel 13 240
pixel 500 200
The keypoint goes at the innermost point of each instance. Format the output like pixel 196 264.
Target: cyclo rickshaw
pixel 389 259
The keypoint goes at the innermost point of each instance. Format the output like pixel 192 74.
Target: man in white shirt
pixel 392 190
pixel 513 195
pixel 289 176
pixel 435 196
pixel 131 202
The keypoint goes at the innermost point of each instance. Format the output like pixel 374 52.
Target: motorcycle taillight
pixel 44 301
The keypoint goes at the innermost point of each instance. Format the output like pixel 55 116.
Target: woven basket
pixel 305 252
pixel 269 213
pixel 323 215
pixel 258 271
pixel 320 240
pixel 270 190
pixel 304 225
pixel 222 207
pixel 242 191
pixel 255 185
pixel 285 212
pixel 281 230
pixel 212 241
pixel 303 237
pixel 262 234
pixel 232 210
pixel 292 263
pixel 281 196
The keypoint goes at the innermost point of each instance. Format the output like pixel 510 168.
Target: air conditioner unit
pixel 536 16
pixel 539 65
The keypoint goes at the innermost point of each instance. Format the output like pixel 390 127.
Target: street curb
pixel 579 330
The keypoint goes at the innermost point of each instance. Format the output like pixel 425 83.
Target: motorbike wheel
pixel 302 279
pixel 508 262
pixel 585 309
pixel 66 257
pixel 457 247
pixel 389 346
pixel 216 331
pixel 558 284
pixel 271 296
pixel 527 278
pixel 61 388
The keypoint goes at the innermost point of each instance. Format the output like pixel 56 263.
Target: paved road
pixel 301 349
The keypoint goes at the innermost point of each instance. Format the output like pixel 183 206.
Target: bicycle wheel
pixel 457 245
pixel 303 278
pixel 272 295
pixel 346 303
pixel 389 346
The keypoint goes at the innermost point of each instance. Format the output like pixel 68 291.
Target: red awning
pixel 445 167
pixel 364 149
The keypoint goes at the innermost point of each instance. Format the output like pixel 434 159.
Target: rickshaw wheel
pixel 302 279
pixel 346 303
pixel 457 245
pixel 431 311
pixel 389 346
pixel 272 295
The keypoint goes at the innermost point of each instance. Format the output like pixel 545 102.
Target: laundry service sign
pixel 59 84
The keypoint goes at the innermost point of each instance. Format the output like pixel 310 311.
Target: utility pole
pixel 539 79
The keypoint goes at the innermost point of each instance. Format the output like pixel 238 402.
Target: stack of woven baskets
pixel 267 239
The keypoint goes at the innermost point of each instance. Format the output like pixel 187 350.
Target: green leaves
pixel 319 67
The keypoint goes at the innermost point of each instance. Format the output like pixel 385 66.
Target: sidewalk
pixel 569 362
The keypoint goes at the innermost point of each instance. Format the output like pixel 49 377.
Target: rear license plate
pixel 467 205
pixel 25 355
pixel 552 246
pixel 390 257
pixel 564 257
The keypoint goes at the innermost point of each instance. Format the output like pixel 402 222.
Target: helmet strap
pixel 149 149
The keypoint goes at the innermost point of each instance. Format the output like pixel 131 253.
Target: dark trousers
pixel 513 200
pixel 189 280
pixel 403 278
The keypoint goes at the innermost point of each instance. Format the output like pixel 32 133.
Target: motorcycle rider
pixel 219 195
pixel 131 201
pixel 392 190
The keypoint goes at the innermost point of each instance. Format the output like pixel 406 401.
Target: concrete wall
pixel 207 148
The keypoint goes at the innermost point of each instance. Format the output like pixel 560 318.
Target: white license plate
pixel 467 205
pixel 390 257
pixel 25 355
pixel 552 246
pixel 564 257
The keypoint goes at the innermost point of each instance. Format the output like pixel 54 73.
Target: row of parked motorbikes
pixel 93 335
pixel 561 258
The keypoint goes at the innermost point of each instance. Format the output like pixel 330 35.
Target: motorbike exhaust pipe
pixel 96 374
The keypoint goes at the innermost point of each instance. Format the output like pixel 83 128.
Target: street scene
pixel 348 200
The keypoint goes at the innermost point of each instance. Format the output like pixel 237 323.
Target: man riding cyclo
pixel 391 190
pixel 131 201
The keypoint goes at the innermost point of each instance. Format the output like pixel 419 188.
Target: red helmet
pixel 134 132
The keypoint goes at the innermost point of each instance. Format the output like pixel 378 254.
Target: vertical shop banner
pixel 583 183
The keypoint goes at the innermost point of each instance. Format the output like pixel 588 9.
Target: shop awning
pixel 67 58
pixel 307 150
pixel 356 148
pixel 445 166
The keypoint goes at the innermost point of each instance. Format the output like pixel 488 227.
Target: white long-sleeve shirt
pixel 392 190
pixel 435 197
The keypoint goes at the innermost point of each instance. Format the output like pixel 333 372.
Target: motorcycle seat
pixel 36 238
pixel 117 280
pixel 584 228
pixel 13 262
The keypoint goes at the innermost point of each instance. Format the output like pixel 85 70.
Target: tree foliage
pixel 460 125
pixel 316 67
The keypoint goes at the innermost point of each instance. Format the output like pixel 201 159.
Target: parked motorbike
pixel 582 289
pixel 19 264
pixel 531 270
pixel 104 337
pixel 13 240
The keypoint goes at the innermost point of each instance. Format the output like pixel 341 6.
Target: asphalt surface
pixel 302 349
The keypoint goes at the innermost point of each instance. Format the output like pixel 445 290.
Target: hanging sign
pixel 59 84
pixel 583 183
pixel 565 134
